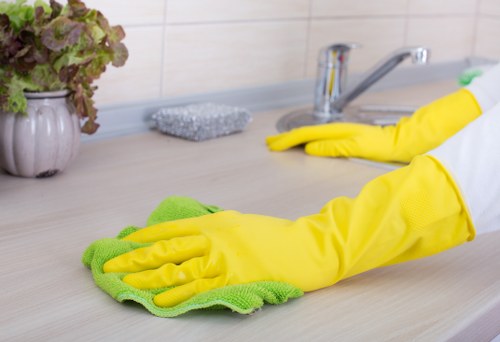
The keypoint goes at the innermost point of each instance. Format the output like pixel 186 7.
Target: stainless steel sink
pixel 381 115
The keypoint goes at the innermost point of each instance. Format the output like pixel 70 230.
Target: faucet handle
pixel 336 53
pixel 332 75
pixel 342 46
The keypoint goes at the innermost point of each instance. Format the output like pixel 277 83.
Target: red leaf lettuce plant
pixel 48 46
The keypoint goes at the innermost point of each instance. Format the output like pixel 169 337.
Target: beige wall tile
pixel 378 38
pixel 449 38
pixel 128 12
pixel 206 58
pixel 196 11
pixel 125 12
pixel 488 33
pixel 490 7
pixel 140 78
pixel 442 6
pixel 329 8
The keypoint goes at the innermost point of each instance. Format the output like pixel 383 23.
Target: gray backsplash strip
pixel 133 118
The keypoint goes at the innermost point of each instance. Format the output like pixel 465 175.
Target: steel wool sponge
pixel 201 121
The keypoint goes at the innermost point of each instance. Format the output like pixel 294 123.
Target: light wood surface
pixel 46 224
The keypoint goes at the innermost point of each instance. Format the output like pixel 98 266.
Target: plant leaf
pixel 60 33
pixel 116 34
pixel 120 55
pixel 56 8
pixel 19 13
pixel 77 8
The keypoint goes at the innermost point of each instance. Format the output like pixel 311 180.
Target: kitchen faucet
pixel 330 98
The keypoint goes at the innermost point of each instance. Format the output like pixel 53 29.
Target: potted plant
pixel 50 55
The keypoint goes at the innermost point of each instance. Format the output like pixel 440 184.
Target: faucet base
pixel 305 117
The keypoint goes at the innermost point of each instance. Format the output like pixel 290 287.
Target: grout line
pixel 407 22
pixel 237 21
pixel 395 16
pixel 309 18
pixel 308 39
pixel 273 20
pixel 475 29
pixel 491 16
pixel 142 25
pixel 163 47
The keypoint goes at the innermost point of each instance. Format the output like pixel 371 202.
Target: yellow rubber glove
pixel 406 214
pixel 426 129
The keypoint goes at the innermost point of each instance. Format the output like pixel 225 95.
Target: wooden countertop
pixel 46 224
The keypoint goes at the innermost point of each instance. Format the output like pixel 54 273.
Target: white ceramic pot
pixel 43 142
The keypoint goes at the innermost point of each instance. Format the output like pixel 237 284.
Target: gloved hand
pixel 426 129
pixel 409 213
pixel 243 298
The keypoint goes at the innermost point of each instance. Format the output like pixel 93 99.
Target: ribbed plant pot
pixel 43 142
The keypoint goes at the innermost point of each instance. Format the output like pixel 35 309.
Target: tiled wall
pixel 487 42
pixel 185 47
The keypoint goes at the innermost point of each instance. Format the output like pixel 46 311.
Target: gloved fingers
pixel 176 250
pixel 303 135
pixel 182 293
pixel 334 148
pixel 184 227
pixel 165 231
pixel 172 274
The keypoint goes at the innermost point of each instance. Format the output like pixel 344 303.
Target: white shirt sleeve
pixel 486 88
pixel 472 156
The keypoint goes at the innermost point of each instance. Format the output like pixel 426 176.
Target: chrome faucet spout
pixel 418 55
pixel 330 95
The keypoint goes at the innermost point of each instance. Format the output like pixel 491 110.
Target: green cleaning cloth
pixel 469 74
pixel 244 298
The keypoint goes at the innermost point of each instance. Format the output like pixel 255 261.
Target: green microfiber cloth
pixel 244 298
pixel 469 74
